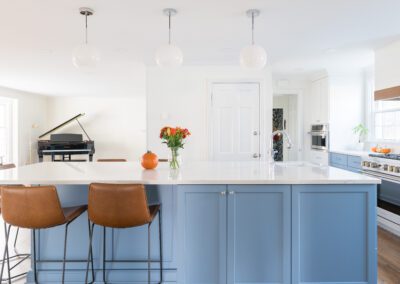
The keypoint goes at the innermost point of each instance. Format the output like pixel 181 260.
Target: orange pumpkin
pixel 149 160
pixel 374 149
pixel 385 150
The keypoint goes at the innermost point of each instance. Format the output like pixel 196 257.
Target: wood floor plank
pixel 388 257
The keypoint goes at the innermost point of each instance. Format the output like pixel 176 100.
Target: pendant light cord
pixel 86 28
pixel 169 27
pixel 252 28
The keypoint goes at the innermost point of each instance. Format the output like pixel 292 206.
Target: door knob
pixel 255 132
pixel 231 192
pixel 255 155
pixel 223 193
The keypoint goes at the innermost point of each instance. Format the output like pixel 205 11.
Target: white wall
pixel 387 62
pixel 31 119
pixel 347 108
pixel 179 98
pixel 116 124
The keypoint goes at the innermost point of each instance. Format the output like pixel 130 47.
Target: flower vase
pixel 175 160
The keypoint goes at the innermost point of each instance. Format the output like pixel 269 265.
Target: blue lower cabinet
pixel 259 234
pixel 345 162
pixel 333 237
pixel 234 234
pixel 202 211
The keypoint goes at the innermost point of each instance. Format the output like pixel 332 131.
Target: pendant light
pixel 253 56
pixel 169 55
pixel 85 56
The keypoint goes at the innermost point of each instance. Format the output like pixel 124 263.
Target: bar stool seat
pixel 35 208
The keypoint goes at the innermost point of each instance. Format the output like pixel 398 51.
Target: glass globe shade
pixel 169 55
pixel 85 56
pixel 253 57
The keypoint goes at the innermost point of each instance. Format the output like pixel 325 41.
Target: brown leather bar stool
pixel 20 257
pixel 36 208
pixel 122 206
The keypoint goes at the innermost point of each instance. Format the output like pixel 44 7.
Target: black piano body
pixel 61 147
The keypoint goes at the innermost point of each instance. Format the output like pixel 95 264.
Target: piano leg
pixel 40 159
pixel 52 158
pixel 90 158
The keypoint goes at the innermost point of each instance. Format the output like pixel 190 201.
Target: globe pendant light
pixel 169 55
pixel 253 56
pixel 85 56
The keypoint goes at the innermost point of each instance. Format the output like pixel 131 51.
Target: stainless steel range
pixel 387 168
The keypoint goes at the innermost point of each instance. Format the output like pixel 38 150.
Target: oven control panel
pixel 381 165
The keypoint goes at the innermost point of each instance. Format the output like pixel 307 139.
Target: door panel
pixel 202 249
pixel 259 234
pixel 235 121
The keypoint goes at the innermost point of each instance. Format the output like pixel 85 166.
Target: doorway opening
pixel 285 116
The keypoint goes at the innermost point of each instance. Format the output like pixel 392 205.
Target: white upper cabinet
pixel 319 101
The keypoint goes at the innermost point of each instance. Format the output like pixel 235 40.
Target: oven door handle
pixel 380 177
pixel 318 132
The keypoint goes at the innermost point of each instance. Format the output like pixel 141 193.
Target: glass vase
pixel 175 159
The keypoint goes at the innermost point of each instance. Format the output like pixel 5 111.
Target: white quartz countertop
pixel 189 173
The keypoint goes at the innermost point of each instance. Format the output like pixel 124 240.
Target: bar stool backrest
pixel 36 207
pixel 118 205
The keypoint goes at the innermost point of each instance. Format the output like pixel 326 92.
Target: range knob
pixel 391 168
pixel 366 164
pixel 375 165
pixel 397 169
pixel 385 167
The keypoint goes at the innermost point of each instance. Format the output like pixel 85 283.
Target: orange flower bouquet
pixel 174 138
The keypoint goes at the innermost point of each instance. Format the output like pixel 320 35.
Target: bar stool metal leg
pixel 34 256
pixel 148 255
pixel 65 251
pixel 15 240
pixel 90 253
pixel 104 254
pixel 6 256
pixel 160 239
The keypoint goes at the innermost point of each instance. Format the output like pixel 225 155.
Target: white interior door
pixel 235 121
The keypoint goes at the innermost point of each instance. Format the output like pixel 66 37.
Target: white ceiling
pixel 37 38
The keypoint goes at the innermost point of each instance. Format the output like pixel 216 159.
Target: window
pixel 6 130
pixel 386 119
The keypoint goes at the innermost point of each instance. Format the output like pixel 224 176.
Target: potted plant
pixel 362 133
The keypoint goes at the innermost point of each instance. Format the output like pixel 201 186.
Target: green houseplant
pixel 361 131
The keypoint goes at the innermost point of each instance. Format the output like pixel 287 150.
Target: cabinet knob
pixel 231 192
pixel 223 192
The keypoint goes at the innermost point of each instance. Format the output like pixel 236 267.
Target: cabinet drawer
pixel 354 162
pixel 338 159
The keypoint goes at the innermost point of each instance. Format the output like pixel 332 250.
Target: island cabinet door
pixel 334 234
pixel 202 234
pixel 259 231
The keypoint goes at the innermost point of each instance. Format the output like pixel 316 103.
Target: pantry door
pixel 235 121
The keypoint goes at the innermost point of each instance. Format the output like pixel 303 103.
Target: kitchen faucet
pixel 271 150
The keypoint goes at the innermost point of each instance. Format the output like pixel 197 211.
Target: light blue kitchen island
pixel 223 222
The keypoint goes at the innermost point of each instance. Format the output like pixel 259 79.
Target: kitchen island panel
pixel 334 234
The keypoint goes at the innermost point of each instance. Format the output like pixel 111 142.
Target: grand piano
pixel 61 147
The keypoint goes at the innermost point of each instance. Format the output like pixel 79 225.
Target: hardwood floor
pixel 388 257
